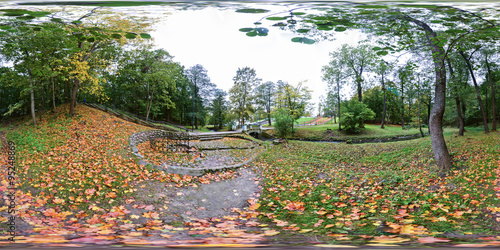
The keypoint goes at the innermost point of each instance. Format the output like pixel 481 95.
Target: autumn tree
pixel 294 99
pixel 241 94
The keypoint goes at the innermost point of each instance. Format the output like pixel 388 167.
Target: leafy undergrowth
pixel 78 182
pixel 384 193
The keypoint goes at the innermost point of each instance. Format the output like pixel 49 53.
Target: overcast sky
pixel 210 37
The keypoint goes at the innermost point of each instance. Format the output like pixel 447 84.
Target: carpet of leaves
pixel 387 193
pixel 77 183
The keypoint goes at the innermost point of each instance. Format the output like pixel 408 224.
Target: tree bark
pixel 419 114
pixel 478 95
pixel 493 101
pixel 73 97
pixel 32 97
pixel 360 91
pixel 338 103
pixel 53 97
pixel 383 112
pixel 461 127
pixel 457 102
pixel 441 153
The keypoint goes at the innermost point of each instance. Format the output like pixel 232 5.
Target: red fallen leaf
pixel 428 240
pixel 317 224
pixel 252 224
pixel 280 223
pixel 93 220
pixel 149 207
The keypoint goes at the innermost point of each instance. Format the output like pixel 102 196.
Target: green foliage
pixel 240 95
pixel 353 115
pixel 283 122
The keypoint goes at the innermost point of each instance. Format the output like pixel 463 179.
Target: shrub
pixel 283 123
pixel 353 115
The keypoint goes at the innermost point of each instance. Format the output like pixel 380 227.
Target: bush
pixel 353 115
pixel 283 123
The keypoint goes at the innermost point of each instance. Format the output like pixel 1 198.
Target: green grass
pixel 353 188
pixel 320 133
pixel 304 119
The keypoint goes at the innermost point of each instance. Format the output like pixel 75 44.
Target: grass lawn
pixel 355 192
pixel 304 120
pixel 320 132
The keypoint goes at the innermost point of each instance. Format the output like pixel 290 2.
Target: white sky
pixel 210 37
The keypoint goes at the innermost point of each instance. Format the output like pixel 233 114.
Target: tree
pixel 334 74
pixel 34 49
pixel 406 76
pixel 382 68
pixel 240 95
pixel 264 96
pixel 219 108
pixel 487 53
pixel 80 45
pixel 458 78
pixel 294 99
pixel 201 90
pixel 354 113
pixel 374 99
pixel 283 122
pixel 356 61
pixel 147 80
pixel 467 58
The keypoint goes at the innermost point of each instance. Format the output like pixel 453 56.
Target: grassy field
pixel 321 132
pixel 359 191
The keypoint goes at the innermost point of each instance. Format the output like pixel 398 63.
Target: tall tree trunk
pixel 32 96
pixel 53 96
pixel 148 102
pixel 360 94
pixel 338 103
pixel 478 94
pixel 402 106
pixel 419 115
pixel 383 111
pixel 73 97
pixel 457 102
pixel 493 101
pixel 461 127
pixel 429 115
pixel 441 153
